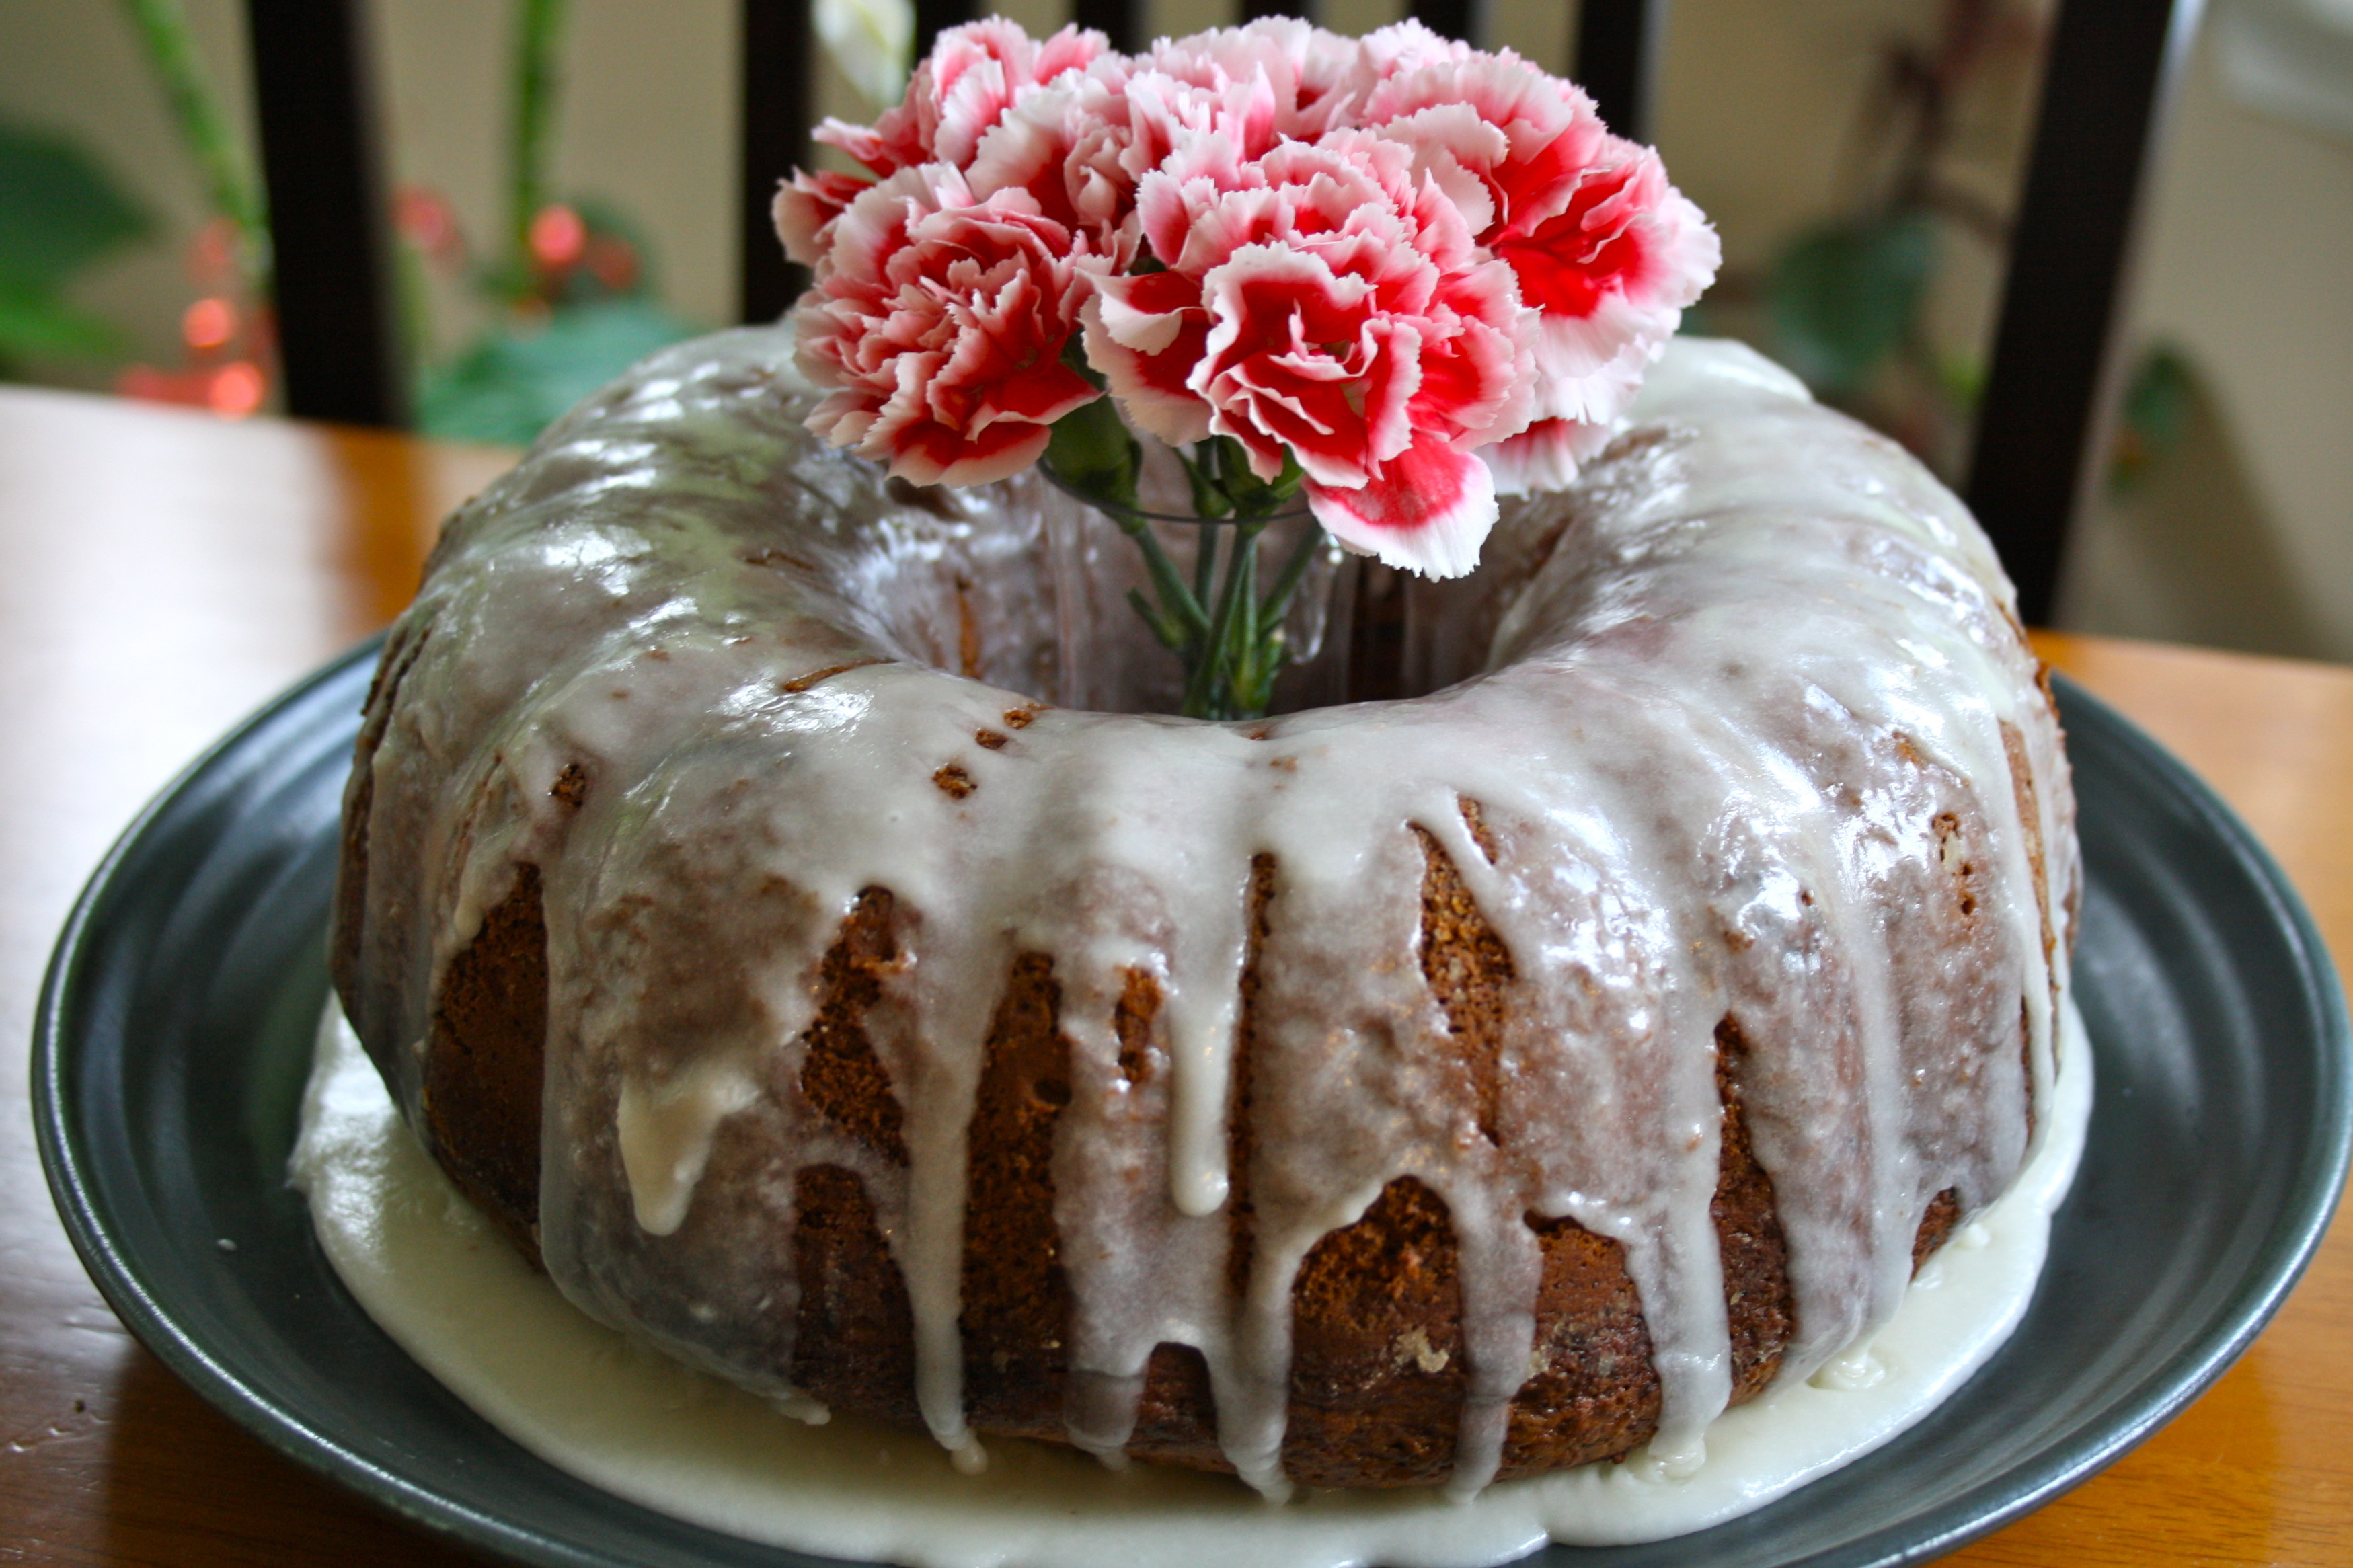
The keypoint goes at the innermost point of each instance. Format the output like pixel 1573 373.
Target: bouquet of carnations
pixel 1389 276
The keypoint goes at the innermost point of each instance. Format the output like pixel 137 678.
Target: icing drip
pixel 1754 743
pixel 665 1135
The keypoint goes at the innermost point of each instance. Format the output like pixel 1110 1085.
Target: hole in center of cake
pixel 1022 586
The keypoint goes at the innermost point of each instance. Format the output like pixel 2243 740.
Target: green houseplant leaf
pixel 60 211
pixel 509 384
pixel 1844 295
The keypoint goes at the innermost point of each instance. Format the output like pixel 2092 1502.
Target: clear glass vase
pixel 1248 612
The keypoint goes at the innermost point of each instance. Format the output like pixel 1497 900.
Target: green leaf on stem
pixel 1177 603
pixel 1094 453
pixel 1286 582
pixel 1286 483
pixel 1210 498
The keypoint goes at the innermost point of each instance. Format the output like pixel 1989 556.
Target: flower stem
pixel 1205 562
pixel 1252 661
pixel 1171 635
pixel 1277 603
pixel 1176 601
pixel 1210 693
pixel 1228 635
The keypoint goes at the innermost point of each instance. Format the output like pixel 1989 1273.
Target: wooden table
pixel 161 574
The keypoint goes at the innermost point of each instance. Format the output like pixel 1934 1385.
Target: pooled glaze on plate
pixel 451 1292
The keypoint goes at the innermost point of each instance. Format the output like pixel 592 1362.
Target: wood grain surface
pixel 165 573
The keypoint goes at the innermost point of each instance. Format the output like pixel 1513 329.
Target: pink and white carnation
pixel 961 89
pixel 1418 271
pixel 1310 76
pixel 1408 45
pixel 969 79
pixel 938 324
pixel 1322 306
pixel 1607 253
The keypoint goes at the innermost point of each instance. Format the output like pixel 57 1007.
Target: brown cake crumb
pixel 571 785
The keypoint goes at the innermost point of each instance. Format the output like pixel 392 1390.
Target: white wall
pixel 647 119
pixel 2248 265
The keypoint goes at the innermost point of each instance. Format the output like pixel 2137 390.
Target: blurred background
pixel 564 189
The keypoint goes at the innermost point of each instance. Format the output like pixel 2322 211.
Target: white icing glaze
pixel 1753 694
pixel 427 1269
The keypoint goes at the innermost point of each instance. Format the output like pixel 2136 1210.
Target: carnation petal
pixel 886 147
pixel 1151 388
pixel 935 455
pixel 804 205
pixel 1038 396
pixel 1546 456
pixel 1407 46
pixel 1142 312
pixel 1428 511
pixel 1026 148
pixel 1072 49
pixel 1574 378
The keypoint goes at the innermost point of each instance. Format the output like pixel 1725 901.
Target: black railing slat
pixel 1618 60
pixel 338 337
pixel 1121 21
pixel 1464 19
pixel 934 17
pixel 778 58
pixel 2110 69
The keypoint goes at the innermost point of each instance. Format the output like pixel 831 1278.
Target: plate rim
pixel 2158 1397
pixel 120 1282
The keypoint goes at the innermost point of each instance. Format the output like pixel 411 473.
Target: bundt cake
pixel 1417 1091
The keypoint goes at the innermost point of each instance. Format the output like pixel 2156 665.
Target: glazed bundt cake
pixel 1418 1091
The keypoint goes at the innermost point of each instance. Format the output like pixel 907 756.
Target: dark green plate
pixel 174 1033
